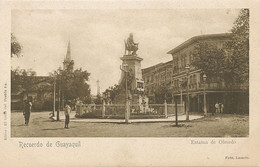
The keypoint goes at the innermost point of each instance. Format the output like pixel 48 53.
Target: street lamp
pixel 204 94
pixel 188 96
pixel 126 94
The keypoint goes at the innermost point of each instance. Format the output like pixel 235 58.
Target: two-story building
pixel 156 76
pixel 183 81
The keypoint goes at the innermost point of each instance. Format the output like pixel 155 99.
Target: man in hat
pixel 27 111
pixel 67 115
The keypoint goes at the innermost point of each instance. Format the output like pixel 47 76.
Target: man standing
pixel 217 107
pixel 67 115
pixel 27 111
pixel 221 107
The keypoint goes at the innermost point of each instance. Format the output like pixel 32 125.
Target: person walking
pixel 67 115
pixel 27 111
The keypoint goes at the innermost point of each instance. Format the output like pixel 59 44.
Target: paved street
pixel 98 120
pixel 213 126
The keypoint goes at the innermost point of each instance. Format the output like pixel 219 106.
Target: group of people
pixel 28 108
pixel 219 107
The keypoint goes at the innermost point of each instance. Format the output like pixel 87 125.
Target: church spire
pixel 68 63
pixel 68 55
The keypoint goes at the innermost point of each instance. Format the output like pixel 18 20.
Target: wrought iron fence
pixel 114 110
pixel 136 110
pixel 171 109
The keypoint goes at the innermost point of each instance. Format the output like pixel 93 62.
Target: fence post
pixel 127 112
pixel 165 109
pixel 103 109
pixel 129 109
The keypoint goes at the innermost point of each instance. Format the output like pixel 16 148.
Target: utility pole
pixel 188 96
pixel 181 82
pixel 204 95
pixel 54 96
pixel 126 94
pixel 126 97
pixel 62 95
pixel 58 112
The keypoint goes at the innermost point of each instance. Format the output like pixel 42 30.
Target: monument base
pixel 132 64
pixel 135 99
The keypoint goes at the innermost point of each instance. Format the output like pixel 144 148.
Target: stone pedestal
pixel 137 83
pixel 134 67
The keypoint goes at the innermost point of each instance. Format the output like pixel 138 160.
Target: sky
pixel 97 37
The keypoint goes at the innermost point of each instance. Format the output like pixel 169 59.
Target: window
pixel 185 60
pixel 194 79
pixel 191 58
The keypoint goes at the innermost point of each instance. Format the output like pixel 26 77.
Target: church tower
pixel 68 63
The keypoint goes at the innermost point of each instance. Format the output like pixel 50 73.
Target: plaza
pixel 227 125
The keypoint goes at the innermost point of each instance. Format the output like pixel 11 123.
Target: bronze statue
pixel 130 45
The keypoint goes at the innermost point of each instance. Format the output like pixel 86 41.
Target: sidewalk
pixel 98 120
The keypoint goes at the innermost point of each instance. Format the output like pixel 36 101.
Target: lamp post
pixel 188 96
pixel 204 94
pixel 126 94
pixel 181 81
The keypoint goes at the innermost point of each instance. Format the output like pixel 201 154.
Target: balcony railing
pixel 208 86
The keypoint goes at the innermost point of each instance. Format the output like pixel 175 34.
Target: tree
pixel 98 100
pixel 22 79
pixel 115 90
pixel 111 92
pixel 162 93
pixel 76 84
pixel 231 62
pixel 239 49
pixel 210 60
pixel 73 84
pixel 16 48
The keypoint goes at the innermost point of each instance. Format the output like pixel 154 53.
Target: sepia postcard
pixel 129 83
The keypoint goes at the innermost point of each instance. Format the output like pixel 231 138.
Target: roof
pixel 222 36
pixel 156 66
pixel 152 67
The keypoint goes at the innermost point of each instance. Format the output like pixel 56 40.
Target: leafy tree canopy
pixel 112 91
pixel 239 48
pixel 73 83
pixel 230 62
pixel 16 48
pixel 22 79
pixel 209 59
pixel 162 93
pixel 98 100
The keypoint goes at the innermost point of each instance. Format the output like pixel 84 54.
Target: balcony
pixel 208 86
